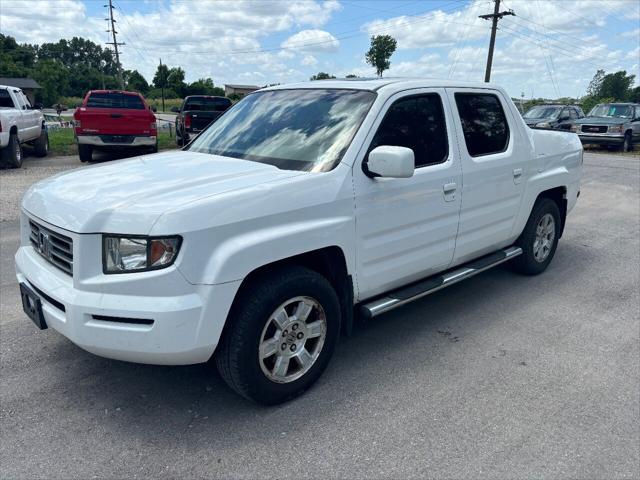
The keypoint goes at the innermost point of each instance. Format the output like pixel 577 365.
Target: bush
pixel 69 102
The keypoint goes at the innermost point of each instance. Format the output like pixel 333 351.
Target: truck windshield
pixel 622 111
pixel 305 129
pixel 542 112
pixel 115 100
pixel 207 104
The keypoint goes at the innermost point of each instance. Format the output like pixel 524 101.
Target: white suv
pixel 300 207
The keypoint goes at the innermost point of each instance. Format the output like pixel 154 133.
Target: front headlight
pixel 616 128
pixel 138 254
pixel 543 125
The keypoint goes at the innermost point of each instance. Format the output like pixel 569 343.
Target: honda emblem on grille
pixel 44 244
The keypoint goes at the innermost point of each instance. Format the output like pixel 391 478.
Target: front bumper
pixel 602 138
pixel 187 319
pixel 97 141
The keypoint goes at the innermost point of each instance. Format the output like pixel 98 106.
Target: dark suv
pixel 196 113
pixel 554 117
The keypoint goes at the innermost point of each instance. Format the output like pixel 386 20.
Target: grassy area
pixel 61 142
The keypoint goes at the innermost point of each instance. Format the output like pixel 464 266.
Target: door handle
pixel 449 190
pixel 517 175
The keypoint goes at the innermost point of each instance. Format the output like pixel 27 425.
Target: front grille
pixel 54 247
pixel 594 129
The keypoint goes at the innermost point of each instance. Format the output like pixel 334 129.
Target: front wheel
pixel 627 145
pixel 539 239
pixel 281 334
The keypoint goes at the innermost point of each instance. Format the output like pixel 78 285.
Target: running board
pixel 422 288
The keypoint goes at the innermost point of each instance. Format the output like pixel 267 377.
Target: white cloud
pixel 312 41
pixel 631 34
pixel 309 61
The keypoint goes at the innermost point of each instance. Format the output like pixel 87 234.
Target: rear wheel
pixel 281 334
pixel 41 145
pixel 539 239
pixel 85 152
pixel 12 153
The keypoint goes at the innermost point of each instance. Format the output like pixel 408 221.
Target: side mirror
pixel 38 106
pixel 175 109
pixel 390 162
pixel 154 109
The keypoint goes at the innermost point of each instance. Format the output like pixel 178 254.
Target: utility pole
pixel 495 16
pixel 162 84
pixel 115 43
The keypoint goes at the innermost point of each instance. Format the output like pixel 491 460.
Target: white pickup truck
pixel 302 206
pixel 20 123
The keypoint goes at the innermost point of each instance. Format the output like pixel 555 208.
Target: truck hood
pixel 128 196
pixel 602 121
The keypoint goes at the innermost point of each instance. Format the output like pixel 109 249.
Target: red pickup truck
pixel 114 119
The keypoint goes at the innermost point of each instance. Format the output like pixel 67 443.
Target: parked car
pixel 301 206
pixel 20 123
pixel 116 120
pixel 610 124
pixel 554 117
pixel 196 113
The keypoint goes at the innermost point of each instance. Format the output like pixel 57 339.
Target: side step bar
pixel 422 288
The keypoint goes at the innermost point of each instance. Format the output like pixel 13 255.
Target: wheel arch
pixel 559 196
pixel 13 130
pixel 330 262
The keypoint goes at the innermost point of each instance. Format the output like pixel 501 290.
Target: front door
pixel 406 227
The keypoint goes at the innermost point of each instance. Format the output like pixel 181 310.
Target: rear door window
pixel 115 100
pixel 5 99
pixel 418 123
pixel 484 123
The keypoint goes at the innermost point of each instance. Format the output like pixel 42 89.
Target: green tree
pixel 175 81
pixel 594 85
pixel 160 77
pixel 634 95
pixel 135 82
pixel 322 76
pixel 617 86
pixel 351 75
pixel 204 86
pixel 382 47
pixel 53 77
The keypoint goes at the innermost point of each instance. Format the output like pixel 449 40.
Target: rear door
pixel 406 227
pixel 115 113
pixel 494 170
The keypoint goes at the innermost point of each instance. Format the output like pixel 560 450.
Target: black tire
pixel 85 152
pixel 41 145
pixel 530 263
pixel 154 149
pixel 627 145
pixel 237 355
pixel 12 153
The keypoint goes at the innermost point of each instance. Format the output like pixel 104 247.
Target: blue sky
pixel 551 48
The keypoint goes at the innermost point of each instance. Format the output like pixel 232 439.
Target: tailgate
pixel 115 121
pixel 200 119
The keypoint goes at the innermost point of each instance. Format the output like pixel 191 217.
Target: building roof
pixel 246 87
pixel 19 82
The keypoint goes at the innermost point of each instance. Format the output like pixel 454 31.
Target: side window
pixel 484 124
pixel 19 100
pixel 572 113
pixel 26 101
pixel 417 123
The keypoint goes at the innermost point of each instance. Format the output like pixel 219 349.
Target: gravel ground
pixel 501 376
